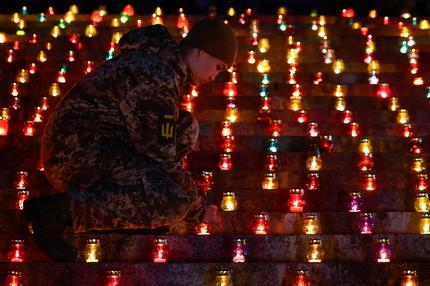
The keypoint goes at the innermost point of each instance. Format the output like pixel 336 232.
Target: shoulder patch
pixel 166 126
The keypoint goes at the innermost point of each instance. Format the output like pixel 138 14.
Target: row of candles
pixel 93 251
pixel 409 277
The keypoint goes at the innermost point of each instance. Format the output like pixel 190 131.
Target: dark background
pixel 327 7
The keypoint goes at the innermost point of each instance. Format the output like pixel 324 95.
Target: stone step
pixel 262 248
pixel 197 274
pixel 243 222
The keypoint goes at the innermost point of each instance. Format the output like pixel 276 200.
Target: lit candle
pixel 208 177
pixel 365 146
pixel 228 144
pixel 394 104
pixel 296 200
pixel 270 182
pixel 239 251
pixel 16 253
pixel 273 146
pixel 369 182
pixel 302 117
pixel 230 89
pixel 315 251
pixel 13 278
pixel 251 57
pixel 113 278
pixel 424 223
pixel 203 229
pixel 346 117
pixel 23 195
pixel 223 278
pixel 228 202
pixel 313 181
pixel 416 145
pixel 261 225
pixel 326 143
pixel 311 224
pixel 366 223
pixel 409 278
pixel 314 162
pixel 313 130
pixel 354 129
pixel 225 163
pixel 92 250
pixel 160 252
pixel 340 104
pixel 300 278
pixel 275 128
pixel 29 129
pixel 365 162
pixel 272 162
pixel 402 116
pixel 422 182
pixel 231 112
pixel 226 129
pixel 21 180
pixel 422 202
pixel 384 90
pixel 383 254
pixel 355 202
pixel 418 165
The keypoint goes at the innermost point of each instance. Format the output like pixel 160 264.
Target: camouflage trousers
pixel 133 193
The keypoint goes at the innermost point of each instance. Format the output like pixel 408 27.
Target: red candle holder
pixel 159 255
pixel 13 278
pixel 369 182
pixel 275 128
pixel 365 162
pixel 261 225
pixel 203 229
pixel 208 177
pixel 32 69
pixel 313 130
pixel 37 115
pixel 354 129
pixel 228 145
pixel 113 278
pixel 302 117
pixel 301 279
pixel 225 163
pixel 346 117
pixel 272 163
pixel 4 127
pixel 10 57
pixel 348 13
pixel 313 183
pixel 296 200
pixel 416 145
pixel 23 195
pixel 21 180
pixel 326 143
pixel 264 111
pixel 407 130
pixel 44 103
pixel 230 89
pixel 16 253
pixel 29 129
pixel 240 252
pixel 14 89
pixel 89 66
pixel 384 90
pixel 422 184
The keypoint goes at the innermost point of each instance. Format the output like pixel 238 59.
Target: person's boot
pixel 49 216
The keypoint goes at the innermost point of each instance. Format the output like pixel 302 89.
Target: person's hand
pixel 211 217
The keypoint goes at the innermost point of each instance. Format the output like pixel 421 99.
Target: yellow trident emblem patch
pixel 167 127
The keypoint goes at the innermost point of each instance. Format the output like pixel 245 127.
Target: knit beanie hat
pixel 215 38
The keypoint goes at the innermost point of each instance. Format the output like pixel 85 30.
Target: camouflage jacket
pixel 130 105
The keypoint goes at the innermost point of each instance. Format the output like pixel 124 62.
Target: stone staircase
pixel 350 258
